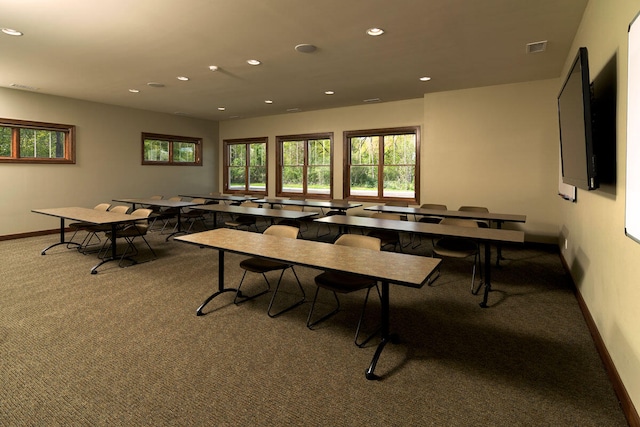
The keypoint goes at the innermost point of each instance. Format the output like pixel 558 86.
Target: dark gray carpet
pixel 124 347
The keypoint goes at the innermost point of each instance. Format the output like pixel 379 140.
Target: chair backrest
pixel 386 215
pixel 175 199
pixel 249 204
pixel 459 222
pixel 397 203
pixel 434 206
pixel 144 224
pixel 481 223
pixel 102 207
pixel 359 241
pixel 199 201
pixel 282 231
pixel 473 209
pixel 156 197
pixel 120 209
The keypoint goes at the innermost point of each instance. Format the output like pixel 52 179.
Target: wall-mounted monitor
pixel 579 167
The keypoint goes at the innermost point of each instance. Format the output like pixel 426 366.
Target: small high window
pixel 171 150
pixel 36 142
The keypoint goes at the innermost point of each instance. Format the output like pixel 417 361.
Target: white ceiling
pixel 97 50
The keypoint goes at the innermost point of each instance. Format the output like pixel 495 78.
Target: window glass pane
pixel 184 152
pixel 258 154
pixel 399 181
pixel 364 180
pixel 400 149
pixel 156 151
pixel 237 155
pixel 5 141
pixel 44 144
pixel 236 178
pixel 293 153
pixel 292 178
pixel 258 178
pixel 320 152
pixel 365 150
pixel 319 180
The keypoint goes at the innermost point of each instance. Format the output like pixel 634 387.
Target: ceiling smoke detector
pixel 537 47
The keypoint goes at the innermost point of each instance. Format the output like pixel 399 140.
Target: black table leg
pixel 386 336
pixel 61 242
pixel 113 257
pixel 487 274
pixel 221 288
pixel 179 225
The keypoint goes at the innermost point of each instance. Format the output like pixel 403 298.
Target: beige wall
pixel 604 263
pixel 494 146
pixel 107 159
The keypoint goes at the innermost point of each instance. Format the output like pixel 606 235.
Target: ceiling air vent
pixel 536 47
pixel 25 87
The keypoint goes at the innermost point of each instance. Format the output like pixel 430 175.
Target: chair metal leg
pixel 364 307
pixel 275 292
pixel 239 294
pixel 311 324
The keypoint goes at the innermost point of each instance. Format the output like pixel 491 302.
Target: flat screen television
pixel 576 126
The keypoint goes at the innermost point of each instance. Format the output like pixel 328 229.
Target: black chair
pixel 345 283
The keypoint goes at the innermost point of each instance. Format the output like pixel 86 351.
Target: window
pixel 382 164
pixel 245 165
pixel 171 150
pixel 305 165
pixel 36 142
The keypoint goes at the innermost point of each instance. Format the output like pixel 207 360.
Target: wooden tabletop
pixel 226 197
pixel 401 269
pixel 488 216
pixel 92 216
pixel 324 204
pixel 479 233
pixel 263 212
pixel 157 202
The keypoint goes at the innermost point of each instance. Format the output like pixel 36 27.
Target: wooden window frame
pixel 347 135
pixel 280 164
pixel 246 141
pixel 69 132
pixel 171 139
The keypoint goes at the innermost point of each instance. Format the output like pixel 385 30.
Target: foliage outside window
pixel 171 150
pixel 305 165
pixel 245 166
pixel 36 142
pixel 382 164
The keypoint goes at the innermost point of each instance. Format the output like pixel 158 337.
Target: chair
pixel 399 204
pixel 459 247
pixel 131 232
pixel 429 219
pixel 331 212
pixel 194 215
pixel 244 220
pixel 483 224
pixel 263 266
pixel 293 222
pixel 166 214
pixel 86 226
pixel 387 237
pixel 345 283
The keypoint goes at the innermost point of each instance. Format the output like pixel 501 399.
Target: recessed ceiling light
pixel 183 78
pixel 213 67
pixel 155 84
pixel 253 62
pixel 221 108
pixel 305 48
pixel 375 31
pixel 329 92
pixel 11 32
pixel 425 79
pixel 268 101
pixel 134 90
